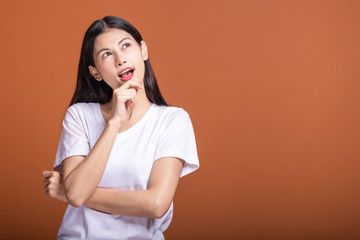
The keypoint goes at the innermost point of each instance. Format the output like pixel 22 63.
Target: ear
pixel 144 51
pixel 95 73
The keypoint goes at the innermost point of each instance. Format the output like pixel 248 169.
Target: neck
pixel 142 104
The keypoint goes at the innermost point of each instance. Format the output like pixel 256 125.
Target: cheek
pixel 141 69
pixel 103 67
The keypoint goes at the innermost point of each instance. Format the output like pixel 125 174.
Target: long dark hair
pixel 90 90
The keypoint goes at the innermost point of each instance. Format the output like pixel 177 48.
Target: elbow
pixel 75 203
pixel 159 208
pixel 74 199
pixel 74 195
pixel 159 214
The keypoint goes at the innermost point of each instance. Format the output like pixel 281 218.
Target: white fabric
pixel 161 132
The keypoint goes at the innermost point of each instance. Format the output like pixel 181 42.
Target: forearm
pixel 153 202
pixel 81 181
pixel 141 203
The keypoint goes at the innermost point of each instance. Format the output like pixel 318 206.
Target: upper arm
pixel 177 139
pixel 74 141
pixel 164 178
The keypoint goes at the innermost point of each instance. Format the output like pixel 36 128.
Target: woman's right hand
pixel 124 101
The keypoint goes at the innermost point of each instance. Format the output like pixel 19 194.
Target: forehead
pixel 110 37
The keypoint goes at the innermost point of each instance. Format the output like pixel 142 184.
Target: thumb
pixel 46 173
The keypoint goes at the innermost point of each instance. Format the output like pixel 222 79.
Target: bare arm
pixel 152 203
pixel 81 175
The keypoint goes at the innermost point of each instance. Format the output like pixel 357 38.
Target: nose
pixel 120 60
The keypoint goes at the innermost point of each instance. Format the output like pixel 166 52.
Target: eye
pixel 126 45
pixel 106 54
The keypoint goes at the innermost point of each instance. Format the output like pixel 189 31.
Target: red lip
pixel 128 75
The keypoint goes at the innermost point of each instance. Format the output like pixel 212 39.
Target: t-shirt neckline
pixel 138 124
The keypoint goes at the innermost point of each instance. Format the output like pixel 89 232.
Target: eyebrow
pixel 106 49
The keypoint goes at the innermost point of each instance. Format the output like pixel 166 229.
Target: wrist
pixel 114 124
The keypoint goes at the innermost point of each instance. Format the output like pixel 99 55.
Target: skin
pixel 114 51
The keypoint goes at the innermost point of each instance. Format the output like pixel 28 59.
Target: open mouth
pixel 126 74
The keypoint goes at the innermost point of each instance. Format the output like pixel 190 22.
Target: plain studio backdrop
pixel 272 88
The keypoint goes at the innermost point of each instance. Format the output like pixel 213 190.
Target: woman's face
pixel 118 58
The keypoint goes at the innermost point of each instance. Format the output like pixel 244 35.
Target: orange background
pixel 272 88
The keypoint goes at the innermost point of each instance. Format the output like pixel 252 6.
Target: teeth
pixel 127 70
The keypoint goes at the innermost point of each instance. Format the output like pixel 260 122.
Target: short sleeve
pixel 178 140
pixel 73 139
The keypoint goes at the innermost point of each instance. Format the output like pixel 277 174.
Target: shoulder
pixel 169 114
pixel 81 111
pixel 78 107
pixel 82 108
pixel 168 118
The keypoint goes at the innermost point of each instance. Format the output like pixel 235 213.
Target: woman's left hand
pixel 53 185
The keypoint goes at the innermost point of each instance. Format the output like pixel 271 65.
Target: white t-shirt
pixel 161 132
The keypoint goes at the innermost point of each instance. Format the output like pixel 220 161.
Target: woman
pixel 122 150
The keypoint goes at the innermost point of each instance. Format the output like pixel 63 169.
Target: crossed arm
pixel 152 203
pixel 80 189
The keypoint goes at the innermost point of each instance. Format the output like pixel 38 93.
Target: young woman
pixel 122 150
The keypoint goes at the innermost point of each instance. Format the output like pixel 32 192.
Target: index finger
pixel 46 173
pixel 132 84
